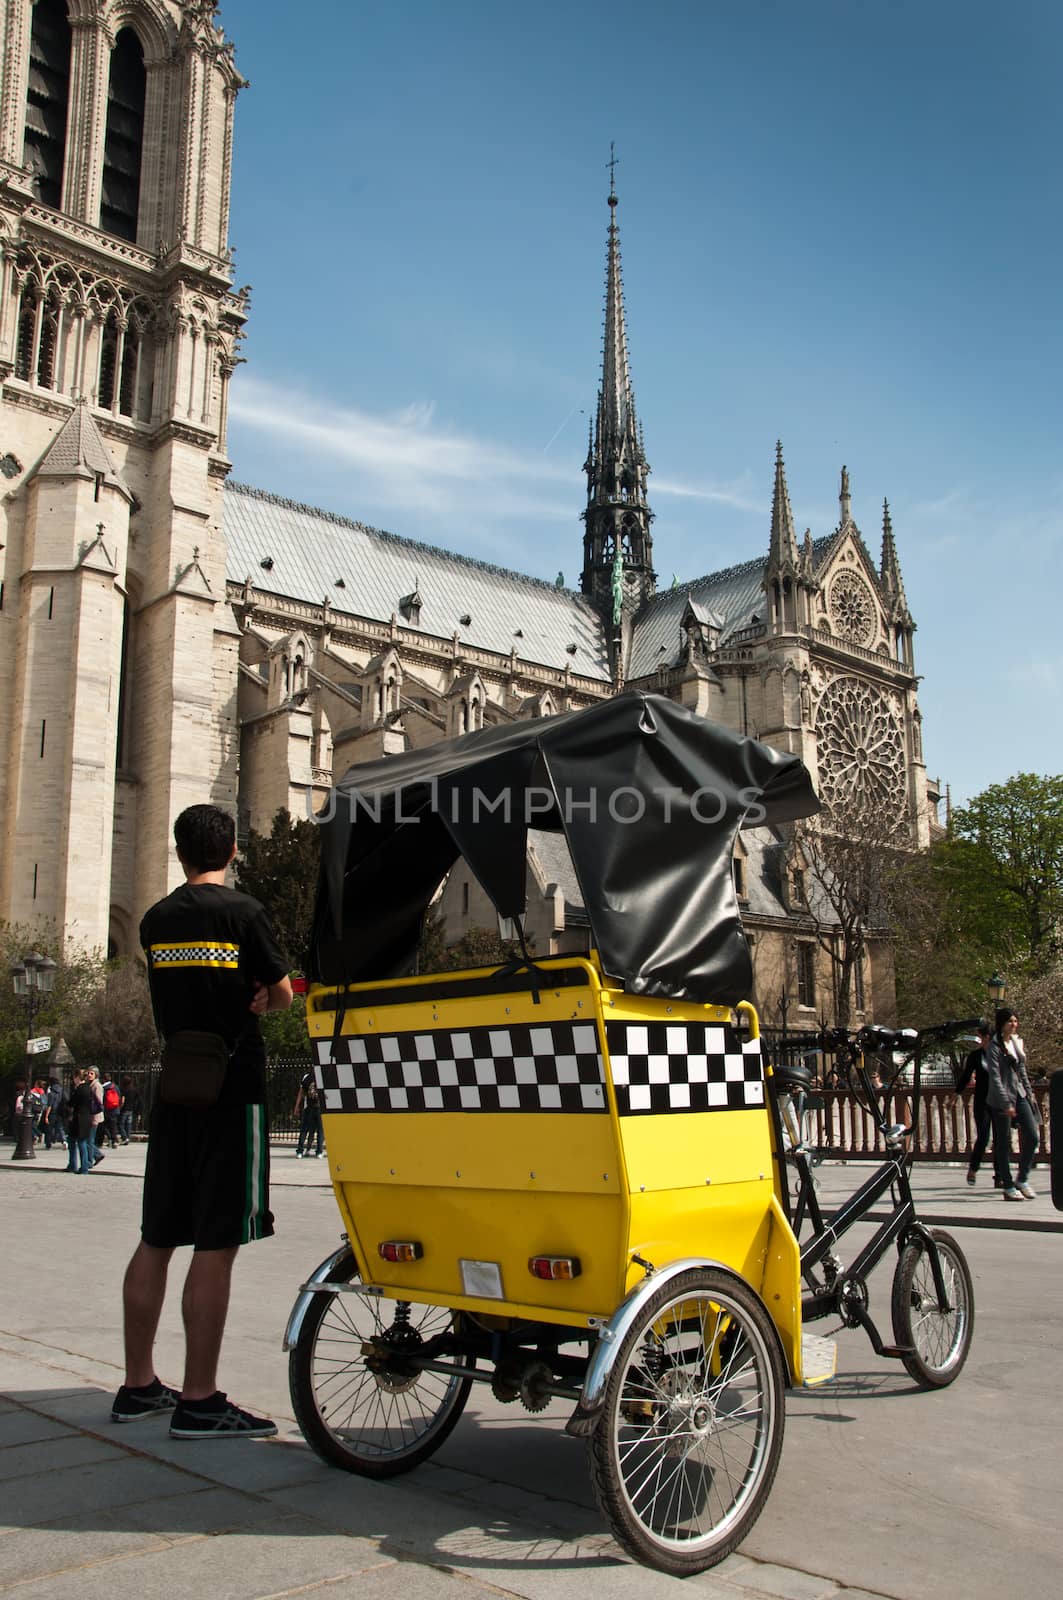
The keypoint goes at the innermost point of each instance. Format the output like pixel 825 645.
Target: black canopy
pixel 648 795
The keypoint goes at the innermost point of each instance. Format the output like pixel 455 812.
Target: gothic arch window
pixel 48 340
pixel 123 142
pixel 27 333
pixel 44 140
pixel 126 364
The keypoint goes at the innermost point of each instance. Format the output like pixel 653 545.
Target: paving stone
pixel 257 1465
pixel 27 1461
pixel 19 1426
pixel 206 1510
pixel 786 1582
pixel 47 1551
pixel 99 1488
pixel 292 1557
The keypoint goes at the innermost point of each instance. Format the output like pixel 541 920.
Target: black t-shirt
pixel 206 946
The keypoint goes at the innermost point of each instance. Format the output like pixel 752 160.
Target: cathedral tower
pixel 119 330
pixel 617 544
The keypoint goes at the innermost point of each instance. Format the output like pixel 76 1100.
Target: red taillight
pixel 300 985
pixel 554 1267
pixel 401 1250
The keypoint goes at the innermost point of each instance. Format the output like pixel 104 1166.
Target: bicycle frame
pixel 844 1291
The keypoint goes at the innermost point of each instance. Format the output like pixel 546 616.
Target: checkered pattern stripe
pixel 556 1067
pixel 189 953
pixel 683 1066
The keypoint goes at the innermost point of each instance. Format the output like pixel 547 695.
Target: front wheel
pixel 692 1425
pixel 359 1399
pixel 938 1340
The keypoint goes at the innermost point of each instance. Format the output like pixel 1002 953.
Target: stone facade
pixel 168 637
pixel 119 330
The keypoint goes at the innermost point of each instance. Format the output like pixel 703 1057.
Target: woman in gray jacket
pixel 1010 1100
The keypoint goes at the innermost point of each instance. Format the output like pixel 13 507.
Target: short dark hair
pixel 204 836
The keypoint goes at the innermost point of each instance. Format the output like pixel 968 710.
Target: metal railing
pixel 836 1123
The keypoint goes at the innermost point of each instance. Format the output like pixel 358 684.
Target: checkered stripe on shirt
pixel 555 1067
pixel 683 1066
pixel 194 953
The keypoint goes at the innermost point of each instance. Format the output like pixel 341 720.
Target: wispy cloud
pixel 383 445
pixel 405 469
pixel 739 495
pixel 955 501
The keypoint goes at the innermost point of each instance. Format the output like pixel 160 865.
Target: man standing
pixel 214 965
pixel 974 1066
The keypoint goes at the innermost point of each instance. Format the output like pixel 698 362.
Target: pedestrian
pixel 975 1067
pixel 112 1105
pixel 308 1110
pixel 1011 1102
pixel 81 1140
pixel 93 1081
pixel 130 1112
pixel 213 965
pixel 54 1131
pixel 34 1101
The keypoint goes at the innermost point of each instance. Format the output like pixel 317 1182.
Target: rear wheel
pixel 359 1400
pixel 939 1340
pixel 692 1426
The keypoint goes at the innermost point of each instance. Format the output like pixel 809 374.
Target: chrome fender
pixel 611 1336
pixel 306 1294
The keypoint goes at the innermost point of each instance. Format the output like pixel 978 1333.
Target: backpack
pixel 111 1098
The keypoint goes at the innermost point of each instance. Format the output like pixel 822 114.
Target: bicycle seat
pixel 790 1078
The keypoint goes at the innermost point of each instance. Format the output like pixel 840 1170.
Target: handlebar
pixel 872 1038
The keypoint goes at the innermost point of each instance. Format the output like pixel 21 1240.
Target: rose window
pixel 852 608
pixel 861 753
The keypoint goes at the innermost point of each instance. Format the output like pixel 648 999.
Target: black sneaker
pixel 217 1418
pixel 132 1404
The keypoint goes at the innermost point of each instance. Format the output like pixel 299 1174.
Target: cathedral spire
pixel 617 519
pixel 890 568
pixel 782 553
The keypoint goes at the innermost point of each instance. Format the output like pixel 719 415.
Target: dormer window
pixel 410 608
pixel 739 868
pixel 798 891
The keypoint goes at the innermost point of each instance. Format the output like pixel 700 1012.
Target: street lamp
pixel 33 978
pixel 998 988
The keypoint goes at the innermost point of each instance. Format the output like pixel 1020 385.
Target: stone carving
pixel 852 608
pixel 861 753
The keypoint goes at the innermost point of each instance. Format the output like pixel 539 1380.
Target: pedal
pixel 897 1350
pixel 819 1358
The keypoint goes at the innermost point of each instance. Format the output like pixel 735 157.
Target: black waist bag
pixel 193 1069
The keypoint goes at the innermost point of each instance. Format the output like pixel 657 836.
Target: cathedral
pixel 168 635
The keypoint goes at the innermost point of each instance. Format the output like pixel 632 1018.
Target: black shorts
pixel 207 1177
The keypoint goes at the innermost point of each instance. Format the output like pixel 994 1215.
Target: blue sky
pixel 840 225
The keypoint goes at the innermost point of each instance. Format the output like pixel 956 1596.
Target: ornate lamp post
pixel 33 978
pixel 997 990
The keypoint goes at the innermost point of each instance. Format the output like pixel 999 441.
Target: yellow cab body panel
pixel 557 1117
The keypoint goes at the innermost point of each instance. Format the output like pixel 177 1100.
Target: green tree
pixel 110 1020
pixel 1015 830
pixel 1038 999
pixel 944 942
pixel 284 1032
pixel 477 947
pixel 280 869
